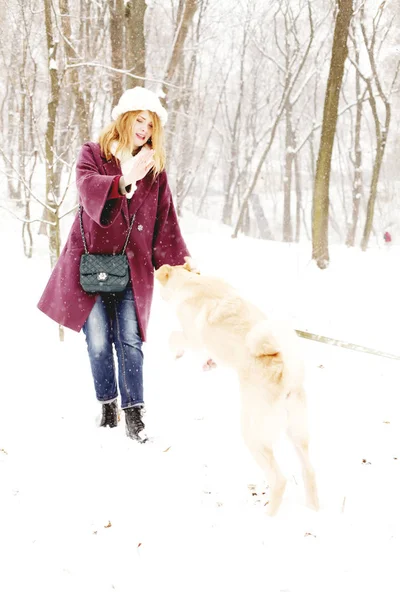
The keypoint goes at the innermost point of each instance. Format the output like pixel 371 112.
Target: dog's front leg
pixel 178 343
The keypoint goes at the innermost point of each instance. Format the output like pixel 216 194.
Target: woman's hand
pixel 142 163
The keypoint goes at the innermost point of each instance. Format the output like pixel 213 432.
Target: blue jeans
pixel 113 323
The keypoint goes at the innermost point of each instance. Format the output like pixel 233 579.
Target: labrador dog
pixel 267 360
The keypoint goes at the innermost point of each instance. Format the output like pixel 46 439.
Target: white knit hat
pixel 140 98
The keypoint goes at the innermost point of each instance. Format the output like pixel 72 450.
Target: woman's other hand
pixel 142 163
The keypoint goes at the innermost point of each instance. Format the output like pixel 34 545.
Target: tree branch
pixel 126 72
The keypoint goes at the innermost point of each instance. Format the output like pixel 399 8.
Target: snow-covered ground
pixel 87 513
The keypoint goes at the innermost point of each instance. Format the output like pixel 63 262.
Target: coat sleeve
pixel 168 244
pixel 96 190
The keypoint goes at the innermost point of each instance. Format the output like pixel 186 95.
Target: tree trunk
pixel 372 194
pixel 320 217
pixel 73 74
pixel 357 158
pixel 23 142
pixel 52 105
pixel 287 181
pixel 261 220
pixel 357 161
pixel 299 197
pixel 117 11
pixel 14 186
pixel 135 43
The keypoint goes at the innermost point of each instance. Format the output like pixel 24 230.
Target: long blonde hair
pixel 121 131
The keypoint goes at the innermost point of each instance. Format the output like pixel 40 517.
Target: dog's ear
pixel 162 274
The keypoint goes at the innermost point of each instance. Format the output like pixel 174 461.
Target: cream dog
pixel 266 358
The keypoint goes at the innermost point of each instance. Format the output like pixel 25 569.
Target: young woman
pixel 118 177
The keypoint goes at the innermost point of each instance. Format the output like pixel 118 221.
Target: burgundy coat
pixel 155 238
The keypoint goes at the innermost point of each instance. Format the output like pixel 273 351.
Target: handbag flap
pixel 111 264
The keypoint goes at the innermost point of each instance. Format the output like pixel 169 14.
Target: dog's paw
pixel 177 344
pixel 209 365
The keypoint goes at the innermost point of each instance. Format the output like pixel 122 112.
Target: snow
pixel 87 513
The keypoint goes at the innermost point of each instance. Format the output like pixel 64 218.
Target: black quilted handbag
pixel 103 272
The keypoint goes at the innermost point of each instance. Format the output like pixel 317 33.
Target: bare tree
pixel 277 111
pixel 234 125
pixel 174 67
pixel 320 251
pixel 356 158
pixel 186 12
pixel 381 130
pixel 290 50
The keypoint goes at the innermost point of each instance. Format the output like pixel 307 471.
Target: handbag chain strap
pixel 83 232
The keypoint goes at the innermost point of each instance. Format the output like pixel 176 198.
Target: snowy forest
pixel 283 114
pixel 283 161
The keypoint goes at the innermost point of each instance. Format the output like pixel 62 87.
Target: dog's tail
pixel 278 343
pixel 262 340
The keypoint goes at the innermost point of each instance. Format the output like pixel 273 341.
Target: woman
pixel 118 177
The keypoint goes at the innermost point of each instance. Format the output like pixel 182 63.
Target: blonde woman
pixel 120 176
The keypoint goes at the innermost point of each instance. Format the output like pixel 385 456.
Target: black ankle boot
pixel 109 414
pixel 134 425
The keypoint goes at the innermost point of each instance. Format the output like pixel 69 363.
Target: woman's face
pixel 142 129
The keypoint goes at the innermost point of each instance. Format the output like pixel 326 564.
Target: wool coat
pixel 155 238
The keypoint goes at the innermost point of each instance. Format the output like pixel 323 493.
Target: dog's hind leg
pixel 264 456
pixel 298 433
pixel 262 451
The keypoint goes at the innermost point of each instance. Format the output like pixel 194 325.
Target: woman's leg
pixel 99 341
pixel 128 345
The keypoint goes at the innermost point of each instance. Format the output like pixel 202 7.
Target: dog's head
pixel 170 277
pixel 164 273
